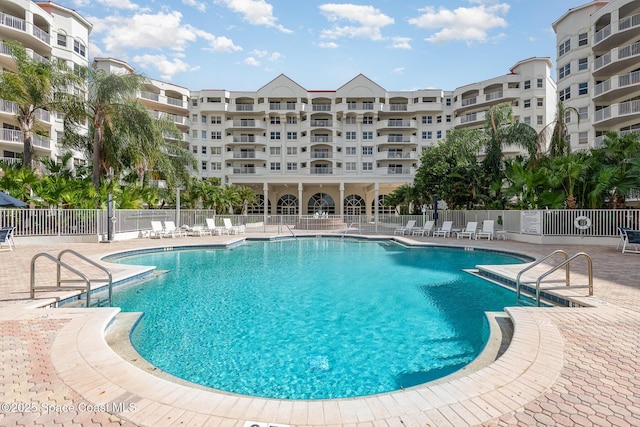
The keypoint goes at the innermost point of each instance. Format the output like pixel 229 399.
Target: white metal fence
pixel 69 222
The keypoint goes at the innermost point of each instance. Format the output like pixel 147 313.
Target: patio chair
pixel 406 229
pixel 232 229
pixel 6 236
pixel 425 230
pixel 170 229
pixel 157 231
pixel 633 238
pixel 445 230
pixel 623 236
pixel 487 230
pixel 468 231
pixel 211 225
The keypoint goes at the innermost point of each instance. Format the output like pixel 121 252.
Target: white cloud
pixel 114 4
pixel 369 21
pixel 328 45
pixel 255 12
pixel 401 43
pixel 399 70
pixel 166 67
pixel 163 30
pixel 252 61
pixel 470 24
pixel 202 7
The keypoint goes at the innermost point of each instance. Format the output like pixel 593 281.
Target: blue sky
pixel 244 44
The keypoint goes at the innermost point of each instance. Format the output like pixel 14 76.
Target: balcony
pixel 247 170
pixel 245 139
pixel 16 137
pixel 598 142
pixel 617 86
pixel 246 124
pixel 471 119
pixel 396 171
pixel 617 60
pixel 396 124
pixel 320 139
pixel 244 155
pixel 321 107
pixel 321 170
pixel 12 108
pixel 313 155
pixel 627 30
pixel 321 123
pixel 244 107
pixel 617 114
pixel 396 155
pixel 360 106
pixel 23 35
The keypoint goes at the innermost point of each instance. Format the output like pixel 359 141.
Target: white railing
pixel 602 34
pixel 12 21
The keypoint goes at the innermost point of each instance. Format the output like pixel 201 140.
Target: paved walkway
pixel 565 366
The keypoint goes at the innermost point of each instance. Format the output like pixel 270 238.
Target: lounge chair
pixel 198 231
pixel 445 230
pixel 170 229
pixel 211 225
pixel 487 230
pixel 623 236
pixel 232 229
pixel 406 229
pixel 425 230
pixel 633 238
pixel 157 231
pixel 6 236
pixel 468 231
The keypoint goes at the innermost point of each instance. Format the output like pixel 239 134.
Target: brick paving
pixel 591 378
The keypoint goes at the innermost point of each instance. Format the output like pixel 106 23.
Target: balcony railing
pixel 321 107
pixel 321 123
pixel 602 61
pixel 244 107
pixel 323 138
pixel 245 170
pixel 16 136
pixel 13 22
pixel 617 110
pixel 321 171
pixel 398 107
pixel 244 138
pixel 628 51
pixel 150 95
pixel 494 95
pixel 469 101
pixel 360 106
pixel 469 118
pixel 398 171
pixel 175 101
pixel 244 154
pixel 41 34
pixel 629 22
pixel 602 34
pixel 321 155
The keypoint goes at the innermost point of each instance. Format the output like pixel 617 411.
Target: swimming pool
pixel 313 318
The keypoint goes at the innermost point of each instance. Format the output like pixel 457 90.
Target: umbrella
pixel 8 201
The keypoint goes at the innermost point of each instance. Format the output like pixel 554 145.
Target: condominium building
pixel 47 31
pixel 598 66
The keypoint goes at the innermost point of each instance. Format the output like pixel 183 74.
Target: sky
pixel 241 45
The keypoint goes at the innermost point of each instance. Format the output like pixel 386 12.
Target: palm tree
pixel 247 196
pixel 36 86
pixel 560 144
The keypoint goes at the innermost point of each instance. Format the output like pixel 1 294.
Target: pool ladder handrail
pixel 566 264
pixel 82 277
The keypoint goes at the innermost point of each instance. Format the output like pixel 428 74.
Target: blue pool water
pixel 313 318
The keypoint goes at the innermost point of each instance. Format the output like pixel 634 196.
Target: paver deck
pixel 564 366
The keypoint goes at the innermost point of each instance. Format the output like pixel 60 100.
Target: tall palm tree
pixel 557 132
pixel 35 86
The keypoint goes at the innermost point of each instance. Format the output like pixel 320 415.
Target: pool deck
pixel 564 366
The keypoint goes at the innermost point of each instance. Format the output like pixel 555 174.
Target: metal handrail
pixel 109 279
pixel 530 266
pixel 84 278
pixel 566 263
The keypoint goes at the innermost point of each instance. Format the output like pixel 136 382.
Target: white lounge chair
pixel 406 229
pixel 211 225
pixel 170 229
pixel 232 229
pixel 623 236
pixel 487 230
pixel 157 231
pixel 468 231
pixel 6 236
pixel 425 230
pixel 445 230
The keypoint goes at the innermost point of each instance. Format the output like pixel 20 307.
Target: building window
pixel 292 120
pixel 292 151
pixel 540 83
pixel 291 166
pixel 367 120
pixel 194 134
pixel 367 166
pixel 274 151
pixel 448 102
pixel 583 113
pixel 62 40
pixel 275 120
pixel 275 135
pixel 539 120
pixel 216 166
pixel 350 166
pixel 194 118
pixel 564 71
pixel 204 165
pixel 367 136
pixel 78 48
pixel 274 166
pixel 204 149
pixel 203 134
pixel 439 119
pixel 564 47
pixel 583 39
pixel 583 64
pixel 367 151
pixel 527 84
pixel 565 94
pixel 194 148
pixel 527 103
pixel 439 134
pixel 194 102
pixel 203 119
pixel 216 150
pixel 423 135
pixel 216 120
pixel 583 137
pixel 350 121
pixel 448 118
pixel 427 120
pixel 429 134
pixel 292 135
pixel 350 151
pixel 583 88
pixel 350 135
pixel 527 120
pixel 216 135
pixel 567 116
pixel 540 102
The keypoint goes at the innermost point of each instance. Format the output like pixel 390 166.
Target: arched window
pixel 382 209
pixel 321 202
pixel 288 205
pixel 354 205
pixel 258 207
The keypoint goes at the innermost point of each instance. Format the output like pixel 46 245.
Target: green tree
pixel 557 132
pixel 36 86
